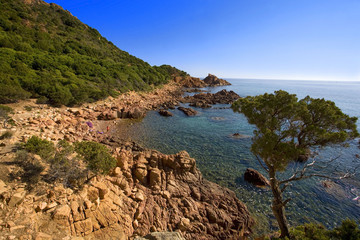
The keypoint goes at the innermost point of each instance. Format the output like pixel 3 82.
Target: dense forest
pixel 47 53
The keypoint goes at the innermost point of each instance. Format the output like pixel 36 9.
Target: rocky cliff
pixel 147 192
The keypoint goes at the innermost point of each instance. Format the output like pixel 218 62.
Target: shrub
pixel 28 108
pixel 45 149
pixel 348 230
pixel 96 155
pixel 42 100
pixel 66 168
pixel 31 168
pixel 310 231
pixel 7 134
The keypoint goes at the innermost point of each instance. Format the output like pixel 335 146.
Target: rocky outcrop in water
pixel 209 81
pixel 205 99
pixel 212 81
pixel 165 113
pixel 255 177
pixel 188 111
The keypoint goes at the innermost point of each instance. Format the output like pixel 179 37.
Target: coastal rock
pixel 256 178
pixel 204 99
pixel 190 82
pixel 188 111
pixel 162 236
pixel 132 113
pixel 62 215
pixel 212 81
pixel 107 115
pixel 165 113
pixel 17 198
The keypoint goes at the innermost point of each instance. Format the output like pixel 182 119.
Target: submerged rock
pixel 255 177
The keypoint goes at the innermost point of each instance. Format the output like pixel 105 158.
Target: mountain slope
pixel 48 53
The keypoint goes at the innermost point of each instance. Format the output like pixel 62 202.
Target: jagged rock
pixel 211 215
pixel 204 99
pixel 256 178
pixel 133 113
pixel 165 113
pixel 108 115
pixel 43 236
pixel 200 104
pixel 2 187
pixel 84 227
pixel 103 189
pixel 190 82
pixel 212 81
pixel 162 236
pixel 141 172
pixel 17 198
pixel 139 196
pixel 155 178
pixel 62 214
pixel 188 111
pixel 104 215
pixel 184 224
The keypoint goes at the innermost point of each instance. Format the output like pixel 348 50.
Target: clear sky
pixel 281 39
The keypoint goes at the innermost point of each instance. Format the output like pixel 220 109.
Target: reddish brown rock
pixel 212 81
pixel 256 178
pixel 188 111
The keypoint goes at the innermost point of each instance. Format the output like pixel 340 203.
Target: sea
pixel 223 159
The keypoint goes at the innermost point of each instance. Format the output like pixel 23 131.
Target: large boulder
pixel 212 80
pixel 132 113
pixel 256 178
pixel 165 113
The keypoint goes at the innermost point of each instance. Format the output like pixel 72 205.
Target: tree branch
pixel 262 165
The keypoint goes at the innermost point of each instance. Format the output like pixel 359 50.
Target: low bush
pixel 45 149
pixel 348 230
pixel 31 168
pixel 96 155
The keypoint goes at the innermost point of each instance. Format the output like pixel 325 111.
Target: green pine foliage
pixel 46 52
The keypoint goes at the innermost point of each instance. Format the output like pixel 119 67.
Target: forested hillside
pixel 47 53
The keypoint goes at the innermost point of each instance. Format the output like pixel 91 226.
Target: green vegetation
pixel 96 155
pixel 49 54
pixel 4 114
pixel 65 165
pixel 31 168
pixel 287 129
pixel 45 149
pixel 348 230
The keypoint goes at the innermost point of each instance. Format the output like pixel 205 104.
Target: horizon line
pixel 289 79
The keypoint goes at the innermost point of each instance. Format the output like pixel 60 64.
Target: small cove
pixel 223 159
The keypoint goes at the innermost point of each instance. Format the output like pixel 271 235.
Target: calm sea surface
pixel 223 159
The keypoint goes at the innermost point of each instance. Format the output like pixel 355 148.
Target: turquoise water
pixel 207 137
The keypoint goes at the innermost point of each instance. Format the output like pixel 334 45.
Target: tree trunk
pixel 278 205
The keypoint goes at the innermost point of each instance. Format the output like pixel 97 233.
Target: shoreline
pixel 210 211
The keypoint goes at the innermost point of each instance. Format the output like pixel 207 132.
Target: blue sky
pixel 279 39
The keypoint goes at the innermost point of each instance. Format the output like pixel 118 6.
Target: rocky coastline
pixel 147 192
